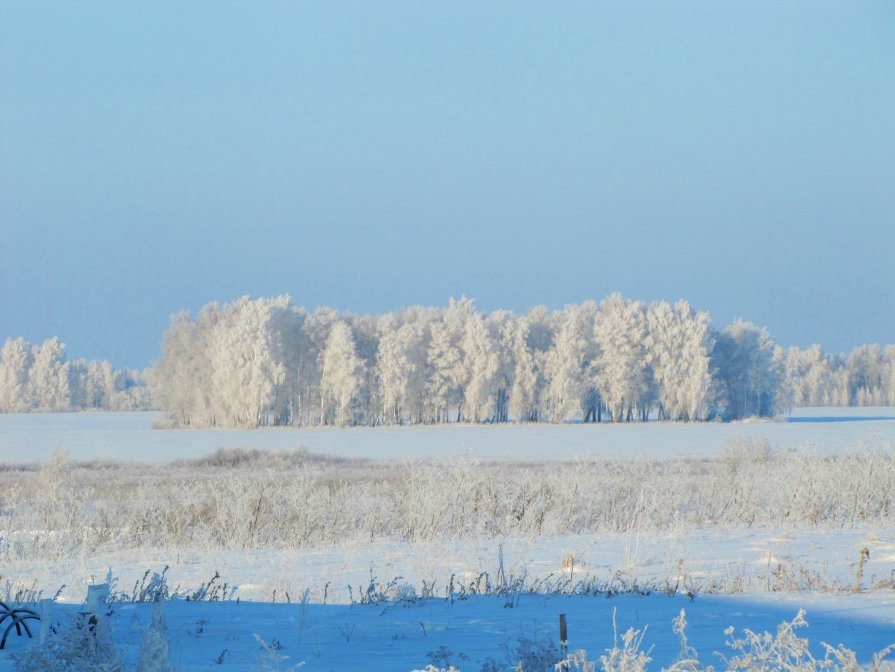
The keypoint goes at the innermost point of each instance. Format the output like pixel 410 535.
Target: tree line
pixel 265 362
pixel 39 378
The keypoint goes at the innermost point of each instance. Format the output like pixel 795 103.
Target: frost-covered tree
pixel 497 323
pixel 482 364
pixel 808 378
pixel 866 376
pixel 679 351
pixel 340 377
pixel 401 368
pixel 366 334
pixel 621 368
pixel 246 363
pixel 889 374
pixel 294 351
pixel 229 367
pixel 40 378
pixel 48 380
pixel 15 364
pixel 747 369
pixel 523 392
pixel 181 380
pixel 447 364
pixel 565 364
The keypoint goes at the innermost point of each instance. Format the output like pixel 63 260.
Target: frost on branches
pixel 269 362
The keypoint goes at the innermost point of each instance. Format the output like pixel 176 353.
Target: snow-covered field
pixel 129 436
pixel 743 575
pixel 470 633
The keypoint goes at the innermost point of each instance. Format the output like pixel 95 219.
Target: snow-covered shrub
pixel 626 654
pixel 527 655
pixel 688 658
pixel 271 660
pixel 155 653
pixel 152 587
pixel 576 661
pixel 83 643
pixel 785 651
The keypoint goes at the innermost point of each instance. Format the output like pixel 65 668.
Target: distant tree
pixel 523 393
pixel 679 349
pixel 340 378
pixel 401 365
pixel 447 364
pixel 564 366
pixel 482 364
pixel 808 378
pixel 889 374
pixel 292 398
pixel 248 372
pixel 621 369
pixel 748 371
pixel 40 378
pixel 866 376
pixel 365 331
pixel 16 359
pixel 181 380
pixel 48 380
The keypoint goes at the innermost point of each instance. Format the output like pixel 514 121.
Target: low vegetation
pixel 249 499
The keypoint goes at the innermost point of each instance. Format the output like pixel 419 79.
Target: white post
pixel 96 597
pixel 46 613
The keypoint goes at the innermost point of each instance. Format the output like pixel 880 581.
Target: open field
pixel 412 553
pixel 129 436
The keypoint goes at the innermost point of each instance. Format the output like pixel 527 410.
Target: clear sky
pixel 157 156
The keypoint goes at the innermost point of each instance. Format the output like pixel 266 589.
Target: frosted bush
pixel 787 652
pixel 84 643
pixel 783 651
pixel 528 655
pixel 155 653
pixel 625 654
pixel 271 659
pixel 575 661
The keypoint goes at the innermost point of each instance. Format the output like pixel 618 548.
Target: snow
pixel 699 556
pixel 407 636
pixel 129 436
pixel 341 636
pixel 778 570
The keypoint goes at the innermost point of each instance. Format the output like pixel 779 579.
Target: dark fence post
pixel 563 636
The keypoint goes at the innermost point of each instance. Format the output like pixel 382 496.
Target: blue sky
pixel 368 156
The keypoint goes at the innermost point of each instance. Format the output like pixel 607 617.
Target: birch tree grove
pixel 268 362
pixel 40 378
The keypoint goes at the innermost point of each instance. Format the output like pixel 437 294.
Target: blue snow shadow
pixel 466 633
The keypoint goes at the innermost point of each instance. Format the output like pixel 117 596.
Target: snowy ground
pixel 466 633
pixel 752 560
pixel 129 436
pixel 772 572
pixel 762 576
